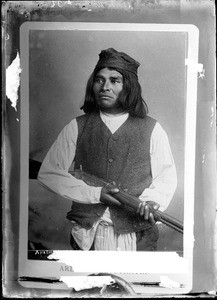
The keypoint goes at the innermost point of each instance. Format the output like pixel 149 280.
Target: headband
pixel 110 58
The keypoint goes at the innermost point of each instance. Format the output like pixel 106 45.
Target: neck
pixel 113 111
pixel 109 113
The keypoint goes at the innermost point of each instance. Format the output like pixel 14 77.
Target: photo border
pixel 46 269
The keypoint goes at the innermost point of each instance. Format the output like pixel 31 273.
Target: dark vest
pixel 123 158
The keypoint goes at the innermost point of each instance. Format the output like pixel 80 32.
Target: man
pixel 116 141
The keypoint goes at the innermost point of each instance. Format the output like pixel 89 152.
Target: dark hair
pixel 130 97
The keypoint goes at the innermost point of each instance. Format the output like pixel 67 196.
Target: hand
pixel 144 211
pixel 106 195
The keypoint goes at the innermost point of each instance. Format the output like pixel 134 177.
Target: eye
pixel 98 80
pixel 116 80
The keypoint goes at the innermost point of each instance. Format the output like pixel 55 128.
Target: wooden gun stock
pixel 128 200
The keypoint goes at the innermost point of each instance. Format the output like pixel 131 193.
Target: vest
pixel 123 158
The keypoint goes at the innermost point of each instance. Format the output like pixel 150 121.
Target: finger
pixel 151 219
pixel 112 200
pixel 153 205
pixel 156 206
pixel 139 207
pixel 142 209
pixel 114 191
pixel 157 217
pixel 146 212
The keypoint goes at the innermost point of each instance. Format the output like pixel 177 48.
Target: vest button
pixel 111 160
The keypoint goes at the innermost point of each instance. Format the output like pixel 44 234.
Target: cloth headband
pixel 110 58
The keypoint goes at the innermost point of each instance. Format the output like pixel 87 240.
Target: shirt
pixel 54 172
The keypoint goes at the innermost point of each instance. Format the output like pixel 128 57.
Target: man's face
pixel 106 88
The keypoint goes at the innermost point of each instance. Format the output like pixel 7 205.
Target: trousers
pixel 145 240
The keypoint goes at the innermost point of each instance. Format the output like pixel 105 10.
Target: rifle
pixel 128 200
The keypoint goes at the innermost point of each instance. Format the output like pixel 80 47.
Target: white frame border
pixel 46 269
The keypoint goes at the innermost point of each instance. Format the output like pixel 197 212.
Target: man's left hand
pixel 145 212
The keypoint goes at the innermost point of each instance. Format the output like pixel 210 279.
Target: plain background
pixel 60 64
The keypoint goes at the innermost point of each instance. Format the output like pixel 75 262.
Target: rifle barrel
pixel 129 200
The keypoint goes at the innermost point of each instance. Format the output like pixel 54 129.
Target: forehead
pixel 109 73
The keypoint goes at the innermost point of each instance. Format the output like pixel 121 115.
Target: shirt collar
pixel 109 116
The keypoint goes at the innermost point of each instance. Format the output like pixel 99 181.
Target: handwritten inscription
pixel 41 252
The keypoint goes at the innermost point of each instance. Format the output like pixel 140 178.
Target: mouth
pixel 104 96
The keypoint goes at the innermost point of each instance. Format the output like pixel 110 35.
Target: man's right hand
pixel 106 195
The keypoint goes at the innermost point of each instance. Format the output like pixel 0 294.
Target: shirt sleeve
pixel 54 174
pixel 163 169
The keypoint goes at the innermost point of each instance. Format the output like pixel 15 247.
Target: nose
pixel 106 86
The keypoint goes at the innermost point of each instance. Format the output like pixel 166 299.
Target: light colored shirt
pixel 54 172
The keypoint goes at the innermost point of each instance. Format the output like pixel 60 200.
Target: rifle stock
pixel 128 200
